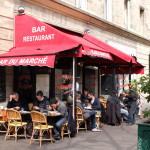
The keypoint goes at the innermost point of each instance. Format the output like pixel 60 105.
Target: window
pixel 107 10
pixel 82 4
pixel 127 13
pixel 141 19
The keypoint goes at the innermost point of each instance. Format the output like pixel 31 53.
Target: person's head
pixel 124 93
pixel 54 103
pixel 15 96
pixel 115 92
pixel 39 95
pixel 78 94
pixel 90 95
pixel 85 92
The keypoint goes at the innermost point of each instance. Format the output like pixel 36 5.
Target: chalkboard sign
pixel 90 80
pixel 2 84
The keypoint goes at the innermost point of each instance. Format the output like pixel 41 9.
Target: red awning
pixel 119 56
pixel 46 60
pixel 35 40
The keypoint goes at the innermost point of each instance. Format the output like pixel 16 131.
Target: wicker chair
pixel 15 122
pixel 98 116
pixel 80 119
pixel 65 125
pixel 40 123
pixel 2 121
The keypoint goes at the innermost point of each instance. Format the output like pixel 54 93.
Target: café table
pixel 88 108
pixel 24 112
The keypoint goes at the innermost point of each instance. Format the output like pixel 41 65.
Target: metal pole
pixel 74 86
pixel 83 78
pixel 99 82
pixel 130 69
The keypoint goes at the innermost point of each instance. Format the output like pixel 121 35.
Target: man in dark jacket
pixel 132 98
pixel 14 101
pixel 95 102
pixel 41 103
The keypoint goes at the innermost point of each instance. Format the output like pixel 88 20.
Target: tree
pixel 143 86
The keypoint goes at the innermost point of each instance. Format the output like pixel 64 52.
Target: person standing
pixel 132 97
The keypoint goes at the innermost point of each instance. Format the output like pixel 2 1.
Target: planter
pixel 143 136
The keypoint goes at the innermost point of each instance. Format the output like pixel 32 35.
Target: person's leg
pixel 124 113
pixel 93 119
pixel 130 119
pixel 60 122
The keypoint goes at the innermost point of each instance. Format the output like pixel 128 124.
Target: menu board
pixel 90 80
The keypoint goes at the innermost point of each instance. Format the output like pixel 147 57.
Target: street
pixel 111 138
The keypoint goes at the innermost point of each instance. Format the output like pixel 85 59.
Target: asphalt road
pixel 111 138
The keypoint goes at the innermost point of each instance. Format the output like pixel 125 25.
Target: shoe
pixel 96 130
pixel 57 137
pixel 35 137
pixel 129 124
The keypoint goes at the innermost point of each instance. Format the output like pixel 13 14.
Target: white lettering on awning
pixel 38 38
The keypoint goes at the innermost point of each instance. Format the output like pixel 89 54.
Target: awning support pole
pixel 130 69
pixel 74 87
pixel 113 78
pixel 99 81
pixel 83 78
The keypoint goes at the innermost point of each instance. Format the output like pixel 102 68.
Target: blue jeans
pixel 93 118
pixel 58 124
pixel 131 118
pixel 124 114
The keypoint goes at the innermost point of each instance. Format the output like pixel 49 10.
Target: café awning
pixel 37 43
pixel 121 59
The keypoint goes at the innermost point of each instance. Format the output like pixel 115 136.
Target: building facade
pixel 122 24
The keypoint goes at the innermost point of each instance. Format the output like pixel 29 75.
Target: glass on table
pixel 22 109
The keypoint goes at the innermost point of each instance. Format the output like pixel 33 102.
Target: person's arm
pixel 9 105
pixel 98 105
pixel 35 105
pixel 10 102
pixel 47 105
pixel 63 110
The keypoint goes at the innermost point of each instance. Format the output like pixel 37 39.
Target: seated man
pixel 114 99
pixel 14 101
pixel 61 108
pixel 95 102
pixel 84 96
pixel 41 103
pixel 90 114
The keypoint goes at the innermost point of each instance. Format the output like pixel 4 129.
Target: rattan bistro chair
pixel 80 119
pixel 65 125
pixel 2 122
pixel 15 121
pixel 98 116
pixel 40 123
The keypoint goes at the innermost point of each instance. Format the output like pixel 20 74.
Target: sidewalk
pixel 111 138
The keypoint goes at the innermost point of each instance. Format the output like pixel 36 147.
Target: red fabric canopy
pixel 35 40
pixel 119 56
